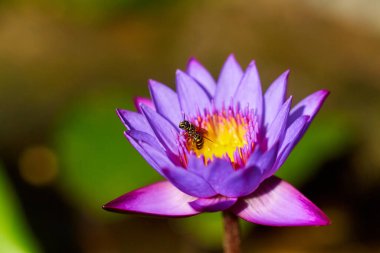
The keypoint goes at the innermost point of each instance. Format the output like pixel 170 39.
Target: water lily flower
pixel 243 136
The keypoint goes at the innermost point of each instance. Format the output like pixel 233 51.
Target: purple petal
pixel 228 82
pixel 196 165
pixel 134 121
pixel 183 179
pixel 292 136
pixel 218 203
pixel 244 181
pixel 165 101
pixel 275 97
pixel 277 128
pixel 214 173
pixel 293 132
pixel 192 98
pixel 309 106
pixel 155 156
pixel 189 183
pixel 202 76
pixel 145 137
pixel 249 91
pixel 263 161
pixel 144 154
pixel 143 101
pixel 166 133
pixel 217 172
pixel 160 199
pixel 162 159
pixel 277 203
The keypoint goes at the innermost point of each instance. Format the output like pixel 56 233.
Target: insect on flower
pixel 236 138
pixel 194 135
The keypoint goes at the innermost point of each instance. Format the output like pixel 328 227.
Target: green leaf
pixel 15 236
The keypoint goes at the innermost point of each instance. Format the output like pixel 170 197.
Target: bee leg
pixel 189 143
pixel 208 139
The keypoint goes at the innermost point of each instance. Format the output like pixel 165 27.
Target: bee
pixel 194 134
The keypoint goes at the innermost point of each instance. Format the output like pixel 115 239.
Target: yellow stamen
pixel 223 135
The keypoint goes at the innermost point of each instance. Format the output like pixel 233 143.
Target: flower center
pixel 225 134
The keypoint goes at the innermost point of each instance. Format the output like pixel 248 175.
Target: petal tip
pixel 138 101
pixel 180 76
pixel 119 111
pixel 121 114
pixel 106 207
pixel 110 206
pixel 322 219
pixel 231 59
pixel 325 92
pixel 252 64
pixel 152 85
pixel 143 107
pixel 192 61
pixel 231 56
pixel 179 73
pixel 151 82
pixel 286 75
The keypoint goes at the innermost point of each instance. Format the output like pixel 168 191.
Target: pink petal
pixel 277 203
pixel 143 101
pixel 159 199
pixel 201 75
pixel 218 203
pixel 228 82
pixel 275 96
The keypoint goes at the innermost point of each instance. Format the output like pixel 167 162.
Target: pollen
pixel 226 134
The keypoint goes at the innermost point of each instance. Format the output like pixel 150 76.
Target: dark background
pixel 66 65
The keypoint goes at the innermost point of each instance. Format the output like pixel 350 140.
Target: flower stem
pixel 231 233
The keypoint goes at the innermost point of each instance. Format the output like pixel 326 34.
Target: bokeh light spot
pixel 38 165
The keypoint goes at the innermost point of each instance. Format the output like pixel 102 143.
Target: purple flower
pixel 226 159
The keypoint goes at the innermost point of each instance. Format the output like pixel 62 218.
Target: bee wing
pixel 202 130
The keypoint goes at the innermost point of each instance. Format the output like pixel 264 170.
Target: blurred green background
pixel 66 65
